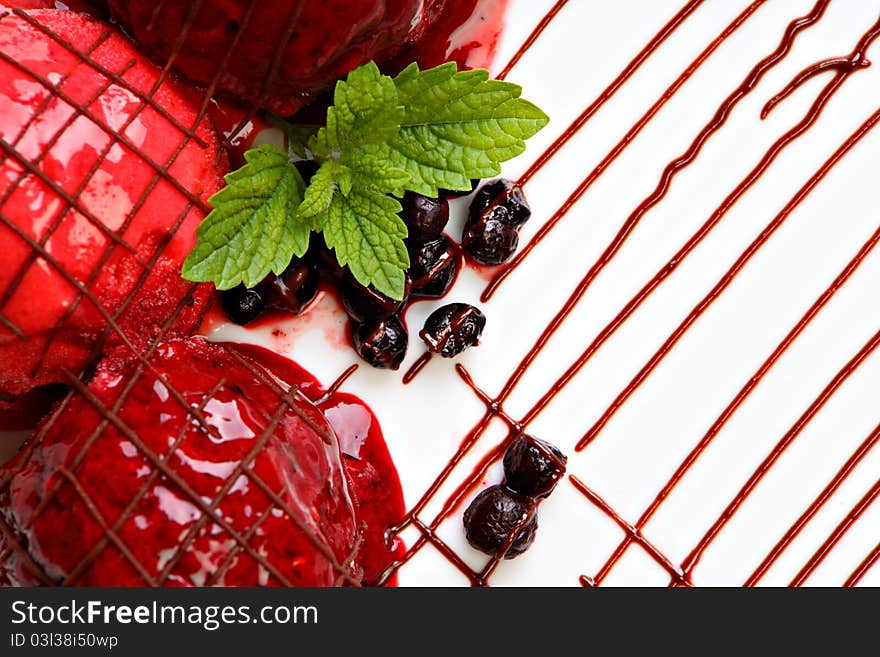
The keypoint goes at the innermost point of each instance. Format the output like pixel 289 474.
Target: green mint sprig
pixel 421 131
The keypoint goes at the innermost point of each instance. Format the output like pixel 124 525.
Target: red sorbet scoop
pixel 281 53
pixel 252 494
pixel 104 172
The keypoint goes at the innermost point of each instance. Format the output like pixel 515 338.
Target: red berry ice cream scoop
pixel 281 53
pixel 105 166
pixel 203 475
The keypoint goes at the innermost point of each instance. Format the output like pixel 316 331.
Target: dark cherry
pixel 425 218
pixel 307 169
pixel 456 193
pixel 381 343
pixel 502 200
pixel 367 304
pixel 433 266
pixel 243 305
pixel 494 515
pixel 295 287
pixel 533 467
pixel 489 242
pixel 452 328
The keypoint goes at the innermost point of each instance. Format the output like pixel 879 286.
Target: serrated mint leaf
pixel 320 191
pixel 369 167
pixel 252 229
pixel 457 125
pixel 367 235
pixel 365 110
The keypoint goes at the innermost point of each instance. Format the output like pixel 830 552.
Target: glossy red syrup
pixel 101 190
pixel 199 471
pixel 375 486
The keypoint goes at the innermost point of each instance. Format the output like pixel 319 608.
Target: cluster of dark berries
pixel 290 292
pixel 532 468
pixel 496 214
pixel 378 331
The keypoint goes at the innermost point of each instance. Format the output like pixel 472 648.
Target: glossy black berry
pixel 433 266
pixel 489 242
pixel 533 467
pixel 307 169
pixel 295 287
pixel 367 304
pixel 493 516
pixel 425 218
pixel 243 305
pixel 453 193
pixel 452 328
pixel 381 343
pixel 502 200
pixel 322 256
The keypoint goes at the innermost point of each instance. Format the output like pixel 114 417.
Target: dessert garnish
pixel 503 519
pixel 381 342
pixel 421 131
pixel 497 212
pixel 452 328
pixel 500 520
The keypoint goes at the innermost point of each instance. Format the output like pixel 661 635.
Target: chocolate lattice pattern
pixel 116 239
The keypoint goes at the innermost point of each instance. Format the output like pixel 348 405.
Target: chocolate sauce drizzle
pixel 680 575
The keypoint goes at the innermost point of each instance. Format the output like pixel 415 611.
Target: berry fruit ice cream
pixel 104 171
pixel 248 490
pixel 281 53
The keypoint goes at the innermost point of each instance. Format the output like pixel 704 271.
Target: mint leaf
pixel 421 131
pixel 252 228
pixel 365 111
pixel 367 234
pixel 457 125
pixel 319 193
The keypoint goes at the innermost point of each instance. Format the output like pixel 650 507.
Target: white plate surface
pixel 581 51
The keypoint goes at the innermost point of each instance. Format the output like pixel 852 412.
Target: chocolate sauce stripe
pixel 633 533
pixel 798 130
pixel 815 506
pixel 746 391
pixel 652 200
pixel 674 167
pixel 863 568
pixel 851 518
pixel 680 81
pixel 493 408
pixel 643 55
pixel 532 38
pixel 777 451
